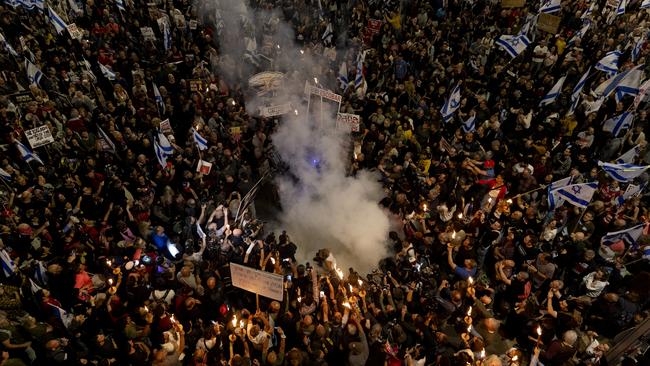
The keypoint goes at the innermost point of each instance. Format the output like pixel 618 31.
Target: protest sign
pixel 265 82
pixel 262 283
pixel 22 99
pixel 313 90
pixel 204 167
pixel 166 126
pixel 374 25
pixel 349 122
pixel 75 32
pixel 513 3
pixel 275 110
pixel 548 23
pixel 147 33
pixel 196 85
pixel 39 136
pixel 193 24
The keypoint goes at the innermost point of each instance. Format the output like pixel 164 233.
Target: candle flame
pixel 110 281
pixel 146 309
pixel 295 111
pixel 241 323
pixel 322 294
pixel 338 271
pixel 424 207
pixel 469 311
pixel 272 260
pixel 482 353
pixel 278 46
pixel 172 319
pixel 315 80
pixel 470 280
pixel 302 52
pixel 453 235
pixel 539 331
pixel 360 283
pixel 109 263
pixel 509 201
pixel 460 216
pixel 350 287
pixel 234 321
pixel 469 328
pixel 515 358
pixel 233 102
pixel 489 199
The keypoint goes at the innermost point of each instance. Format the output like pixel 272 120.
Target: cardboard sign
pixel 147 33
pixel 75 32
pixel 513 3
pixel 204 167
pixel 22 99
pixel 193 24
pixel 196 85
pixel 348 121
pixel 262 283
pixel 39 136
pixel 548 23
pixel 310 89
pixel 166 126
pixel 275 110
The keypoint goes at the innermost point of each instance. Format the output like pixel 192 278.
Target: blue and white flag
pixel 120 5
pixel 554 199
pixel 514 45
pixel 108 73
pixel 577 194
pixel 629 85
pixel 631 191
pixel 34 74
pixel 56 21
pixel 63 315
pixel 529 25
pixel 34 287
pixel 636 51
pixel 358 78
pixel 629 156
pixel 8 265
pixel 201 142
pixel 30 4
pixel 5 175
pixel 7 46
pixel 160 154
pixel 167 35
pixel 620 8
pixel 549 6
pixel 619 123
pixel 645 4
pixel 165 145
pixel 343 76
pixel 609 63
pixel 470 124
pixel 586 16
pixel 629 236
pixel 107 139
pixel 553 93
pixel 159 100
pixel 581 33
pixel 575 94
pixel 40 272
pixel 452 104
pixel 328 35
pixel 625 79
pixel 26 154
pixel 623 172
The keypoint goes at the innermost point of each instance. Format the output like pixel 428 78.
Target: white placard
pixel 310 89
pixel 147 33
pixel 204 167
pixel 39 136
pixel 75 32
pixel 347 121
pixel 275 110
pixel 262 283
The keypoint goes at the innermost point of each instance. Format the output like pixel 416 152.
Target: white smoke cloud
pixel 322 207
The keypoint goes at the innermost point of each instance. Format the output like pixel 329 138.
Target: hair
pixel 570 337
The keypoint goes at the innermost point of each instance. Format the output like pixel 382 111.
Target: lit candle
pixel 172 319
pixel 460 216
pixel 453 235
pixel 299 299
pixel 146 309
pixel 322 294
pixel 338 272
pixel 509 201
pixel 469 311
pixel 234 321
pixel 278 46
pixel 315 80
pixel 302 52
pixel 241 323
pixel 470 280
pixel 424 207
pixel 110 282
pixel 350 287
pixel 539 335
pixel 273 260
pixel 360 283
pixel 109 263
pixel 295 111
pixel 233 102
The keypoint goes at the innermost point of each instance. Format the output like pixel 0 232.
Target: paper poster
pixel 39 136
pixel 204 167
pixel 275 110
pixel 74 31
pixel 347 121
pixel 262 283
pixel 166 126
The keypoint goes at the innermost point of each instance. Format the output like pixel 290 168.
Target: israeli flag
pixel 529 25
pixel 579 34
pixel 34 74
pixel 358 78
pixel 629 236
pixel 549 6
pixel 34 287
pixel 554 199
pixel 629 156
pixel 452 104
pixel 631 191
pixel 645 4
pixel 343 76
pixel 167 35
pixel 586 16
pixel 5 44
pixel 41 273
pixel 106 139
pixel 553 93
pixel 575 94
pixel 159 100
pixel 201 142
pixel 120 5
pixel 165 145
pixel 470 124
pixel 108 73
pixel 619 123
pixel 629 84
pixel 5 175
pixel 623 172
pixel 514 45
pixel 160 154
pixel 609 63
pixel 63 315
pixel 610 85
pixel 328 35
pixel 56 21
pixel 26 154
pixel 577 194
pixel 620 8
pixel 8 265
pixel 636 51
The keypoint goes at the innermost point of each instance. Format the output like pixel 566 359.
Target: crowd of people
pixel 115 255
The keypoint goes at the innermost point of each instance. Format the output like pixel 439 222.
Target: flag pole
pixel 578 222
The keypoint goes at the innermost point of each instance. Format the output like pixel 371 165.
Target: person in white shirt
pixel 539 55
pixel 595 283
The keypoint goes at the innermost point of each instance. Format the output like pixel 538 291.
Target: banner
pixel 267 81
pixel 513 3
pixel 39 136
pixel 204 167
pixel 22 99
pixel 548 23
pixel 147 33
pixel 348 121
pixel 275 110
pixel 262 283
pixel 310 89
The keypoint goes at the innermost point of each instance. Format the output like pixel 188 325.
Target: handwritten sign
pixel 75 32
pixel 147 33
pixel 39 136
pixel 347 121
pixel 166 126
pixel 310 89
pixel 275 110
pixel 548 23
pixel 260 282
